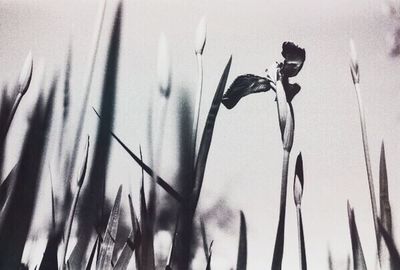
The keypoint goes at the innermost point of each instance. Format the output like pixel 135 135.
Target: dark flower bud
pixel 294 59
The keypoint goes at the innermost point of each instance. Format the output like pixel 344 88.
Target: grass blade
pixel 107 247
pixel 92 254
pixel 358 254
pixel 146 168
pixel 393 251
pixel 242 250
pixel 92 207
pixel 16 217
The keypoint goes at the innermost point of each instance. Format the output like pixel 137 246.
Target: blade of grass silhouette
pixel 92 254
pixel 107 247
pixel 89 78
pixel 184 241
pixel 206 138
pixel 204 237
pixel 208 267
pixel 385 208
pixel 393 251
pixel 17 213
pixel 146 248
pixel 71 216
pixel 93 197
pixel 242 249
pixel 161 182
pixel 358 254
pixel 172 249
pixel 66 100
pixel 5 189
pixel 354 68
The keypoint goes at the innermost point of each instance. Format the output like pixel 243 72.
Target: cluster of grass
pixel 99 245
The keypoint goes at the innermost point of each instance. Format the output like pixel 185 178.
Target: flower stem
pixel 196 116
pixel 368 164
pixel 280 234
pixel 302 250
pixel 69 226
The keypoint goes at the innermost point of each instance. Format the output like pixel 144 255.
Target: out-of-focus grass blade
pixel 393 251
pixel 16 217
pixel 206 138
pixel 92 206
pixel 49 260
pixel 358 254
pixel 66 99
pixel 146 168
pixel 184 242
pixel 330 261
pixel 208 267
pixel 107 247
pixel 242 250
pixel 5 187
pixel 204 237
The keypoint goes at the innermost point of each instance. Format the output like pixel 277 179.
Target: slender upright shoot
pixel 355 73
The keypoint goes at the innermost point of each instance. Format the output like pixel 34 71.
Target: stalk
pixel 196 116
pixel 279 241
pixel 355 73
pixel 74 205
pixel 368 163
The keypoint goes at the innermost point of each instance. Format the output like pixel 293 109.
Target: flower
pixel 244 85
pixel 294 59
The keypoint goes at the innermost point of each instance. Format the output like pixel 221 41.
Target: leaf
pixel 16 217
pixel 132 243
pixel 393 251
pixel 204 237
pixel 358 254
pixel 145 257
pixel 242 86
pixel 93 197
pixel 107 247
pixel 208 267
pixel 207 137
pixel 385 208
pixel 242 250
pixel 146 168
pixel 92 254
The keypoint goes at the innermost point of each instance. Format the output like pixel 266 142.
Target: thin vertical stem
pixel 368 164
pixel 302 250
pixel 280 235
pixel 196 116
pixel 69 226
pixel 14 108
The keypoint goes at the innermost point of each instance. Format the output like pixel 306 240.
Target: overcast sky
pixel 245 158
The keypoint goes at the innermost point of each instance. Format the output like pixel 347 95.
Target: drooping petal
pixel 294 59
pixel 242 86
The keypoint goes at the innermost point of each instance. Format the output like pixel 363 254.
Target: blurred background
pixel 244 166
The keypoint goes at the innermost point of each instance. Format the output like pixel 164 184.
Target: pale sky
pixel 245 158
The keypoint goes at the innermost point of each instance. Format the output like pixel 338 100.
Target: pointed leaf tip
pixel 201 36
pixel 25 76
pixel 164 67
pixel 298 183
